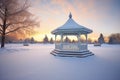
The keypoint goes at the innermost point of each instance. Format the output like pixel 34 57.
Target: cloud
pixel 94 14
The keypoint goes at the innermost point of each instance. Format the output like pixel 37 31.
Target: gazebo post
pixel 79 43
pixel 55 40
pixel 61 41
pixel 61 38
pixel 78 38
pixel 86 40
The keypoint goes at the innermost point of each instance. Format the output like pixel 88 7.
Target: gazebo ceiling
pixel 71 27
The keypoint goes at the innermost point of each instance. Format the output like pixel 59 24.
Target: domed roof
pixel 71 27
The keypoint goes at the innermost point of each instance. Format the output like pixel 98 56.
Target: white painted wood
pixel 71 28
pixel 71 47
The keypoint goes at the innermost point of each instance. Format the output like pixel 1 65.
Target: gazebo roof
pixel 71 27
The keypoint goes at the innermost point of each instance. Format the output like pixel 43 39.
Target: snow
pixel 34 62
pixel 71 25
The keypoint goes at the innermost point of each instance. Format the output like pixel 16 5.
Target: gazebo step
pixel 72 54
pixel 71 51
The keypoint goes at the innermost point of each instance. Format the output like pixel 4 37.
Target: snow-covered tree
pixel 73 41
pixel 114 38
pixel 45 40
pixel 101 39
pixel 67 39
pixel 51 41
pixel 32 40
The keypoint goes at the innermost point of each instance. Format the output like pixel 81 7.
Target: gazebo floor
pixel 71 53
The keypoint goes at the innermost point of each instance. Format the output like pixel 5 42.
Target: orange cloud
pixel 54 13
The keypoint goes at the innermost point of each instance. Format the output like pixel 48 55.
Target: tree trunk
pixel 3 37
pixel 3 40
pixel 3 33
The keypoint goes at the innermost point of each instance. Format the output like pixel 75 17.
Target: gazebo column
pixel 79 43
pixel 61 42
pixel 86 41
pixel 61 38
pixel 55 41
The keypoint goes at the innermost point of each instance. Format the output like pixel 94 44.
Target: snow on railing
pixel 71 46
pixel 58 46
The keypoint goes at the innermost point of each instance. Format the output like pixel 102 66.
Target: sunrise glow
pixel 101 16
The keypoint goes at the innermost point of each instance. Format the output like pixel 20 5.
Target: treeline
pixel 46 40
pixel 12 39
pixel 9 39
pixel 112 39
pixel 66 40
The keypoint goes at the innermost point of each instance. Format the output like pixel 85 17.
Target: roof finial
pixel 70 15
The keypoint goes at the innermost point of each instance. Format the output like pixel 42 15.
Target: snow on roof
pixel 71 26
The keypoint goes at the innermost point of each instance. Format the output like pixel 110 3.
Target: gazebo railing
pixel 58 46
pixel 71 46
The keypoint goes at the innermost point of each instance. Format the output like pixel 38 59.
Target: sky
pixel 102 16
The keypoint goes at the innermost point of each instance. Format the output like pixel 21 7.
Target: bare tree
pixel 14 16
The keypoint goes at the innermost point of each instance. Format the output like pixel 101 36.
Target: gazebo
pixel 71 49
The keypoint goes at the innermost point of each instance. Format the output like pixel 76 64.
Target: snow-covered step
pixel 72 54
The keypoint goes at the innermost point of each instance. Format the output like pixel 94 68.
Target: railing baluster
pixel 71 46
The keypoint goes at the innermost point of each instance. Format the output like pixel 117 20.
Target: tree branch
pixel 13 30
pixel 0 25
pixel 1 31
pixel 25 6
pixel 1 12
pixel 1 28
pixel 15 15
pixel 1 16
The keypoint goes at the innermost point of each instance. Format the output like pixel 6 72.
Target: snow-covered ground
pixel 34 62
